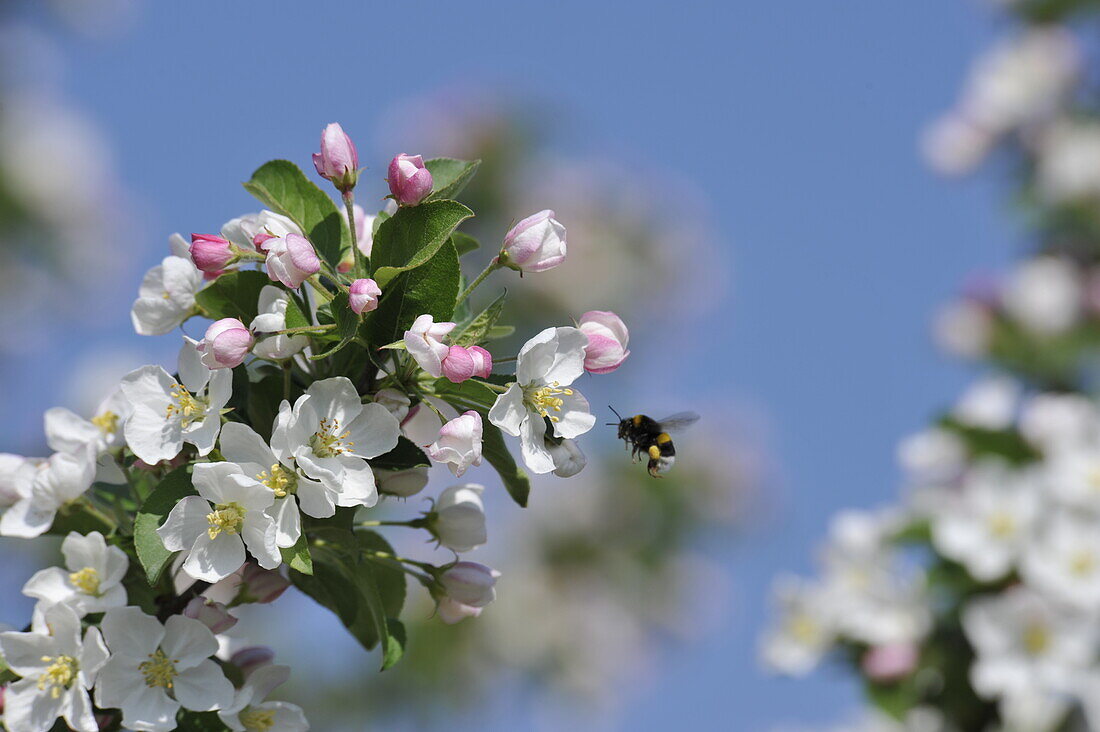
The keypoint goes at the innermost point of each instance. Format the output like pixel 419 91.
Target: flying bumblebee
pixel 645 435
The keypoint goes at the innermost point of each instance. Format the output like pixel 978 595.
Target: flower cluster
pixel 337 341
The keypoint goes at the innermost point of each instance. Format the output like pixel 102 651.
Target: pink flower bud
pixel 338 160
pixel 470 583
pixel 213 615
pixel 291 260
pixel 259 239
pixel 226 343
pixel 459 443
pixel 363 295
pixel 262 585
pixel 251 658
pixel 211 253
pixel 891 661
pixel 607 340
pixel 424 344
pixel 451 611
pixel 535 244
pixel 462 363
pixel 410 182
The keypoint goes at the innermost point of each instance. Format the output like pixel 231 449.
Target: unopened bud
pixel 338 160
pixel 363 295
pixel 410 182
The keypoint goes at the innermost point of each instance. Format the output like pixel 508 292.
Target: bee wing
pixel 678 422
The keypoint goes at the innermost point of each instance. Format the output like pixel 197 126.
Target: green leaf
pixel 464 243
pixel 474 395
pixel 403 457
pixel 450 176
pixel 431 288
pixel 199 722
pixel 297 557
pixel 412 236
pixel 475 331
pixel 150 549
pixel 264 397
pixel 395 649
pixel 295 318
pixel 233 295
pixel 499 331
pixel 347 323
pixel 284 188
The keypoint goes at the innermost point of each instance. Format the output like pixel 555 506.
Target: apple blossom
pixel 155 669
pixel 252 658
pixel 271 319
pixel 424 343
pixel 364 295
pixel 457 519
pixel 410 181
pixel 214 527
pixel 338 160
pixel 91 581
pixel 546 366
pixel 291 259
pixel 330 434
pixel 396 403
pixel 462 363
pixel 59 665
pixel 214 615
pixel 211 253
pixel 226 343
pixel 805 630
pixel 166 297
pixel 1063 561
pixel 167 412
pixel 402 483
pixel 451 611
pixel 607 340
pixel 63 479
pixel 535 244
pixel 16 478
pixel 68 432
pixel 459 443
pixel 567 455
pixel 242 231
pixel 469 583
pixel 250 713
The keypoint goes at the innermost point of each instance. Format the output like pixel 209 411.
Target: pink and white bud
pixel 226 343
pixel 535 244
pixel 259 585
pixel 363 295
pixel 459 443
pixel 401 483
pixel 410 181
pixel 470 583
pixel 338 160
pixel 424 343
pixel 607 341
pixel 213 615
pixel 458 518
pixel 251 658
pixel 891 661
pixel 211 253
pixel 291 259
pixel 462 363
pixel 451 612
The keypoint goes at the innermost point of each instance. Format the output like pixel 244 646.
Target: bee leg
pixel 654 461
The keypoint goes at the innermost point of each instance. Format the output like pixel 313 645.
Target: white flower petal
pixel 374 431
pixel 187 641
pixel 215 559
pixel 575 418
pixel 508 411
pixel 185 524
pixel 203 688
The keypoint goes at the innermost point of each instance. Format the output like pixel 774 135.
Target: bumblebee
pixel 645 435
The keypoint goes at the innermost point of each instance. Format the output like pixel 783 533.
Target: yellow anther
pixel 227 517
pixel 186 406
pixel 86 580
pixel 545 399
pixel 1082 564
pixel 59 675
pixel 327 441
pixel 257 720
pixel 106 422
pixel 159 670
pixel 802 628
pixel 1002 525
pixel 1036 638
pixel 280 480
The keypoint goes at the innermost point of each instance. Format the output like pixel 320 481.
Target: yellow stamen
pixel 328 441
pixel 545 399
pixel 802 628
pixel 280 480
pixel 187 406
pixel 59 675
pixel 1002 525
pixel 86 580
pixel 227 517
pixel 1082 564
pixel 1036 638
pixel 159 670
pixel 106 422
pixel 258 720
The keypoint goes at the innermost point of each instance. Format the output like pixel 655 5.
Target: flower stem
pixel 412 524
pixel 493 266
pixel 304 329
pixel 360 264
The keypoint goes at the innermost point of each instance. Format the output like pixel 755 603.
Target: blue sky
pixel 796 121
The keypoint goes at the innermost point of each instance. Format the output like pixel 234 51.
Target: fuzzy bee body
pixel 650 437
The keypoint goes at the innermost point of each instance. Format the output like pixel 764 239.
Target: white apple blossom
pixel 1063 561
pixel 459 443
pixel 568 457
pixel 1068 158
pixel 458 517
pixel 806 629
pixel 91 581
pixel 330 434
pixel 166 297
pixel 167 413
pixel 424 342
pixel 155 669
pixel 242 230
pixel 16 478
pixel 58 667
pixel 250 713
pixel 1058 421
pixel 63 479
pixel 1072 475
pixel 470 583
pixel 546 366
pixel 271 318
pixel 1044 295
pixel 101 435
pixel 402 483
pixel 214 527
pixel 988 522
pixel 989 403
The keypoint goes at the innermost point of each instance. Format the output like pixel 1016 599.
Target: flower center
pixel 1036 638
pixel 1002 525
pixel 1082 564
pixel 187 407
pixel 328 441
pixel 280 480
pixel 803 629
pixel 106 422
pixel 545 399
pixel 259 720
pixel 159 670
pixel 227 517
pixel 59 675
pixel 86 580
